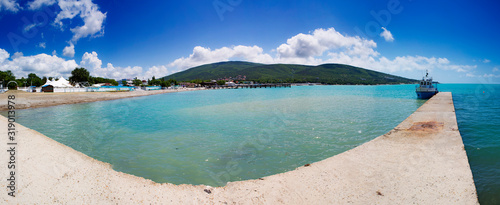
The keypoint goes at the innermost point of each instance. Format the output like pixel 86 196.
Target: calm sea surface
pixel 215 136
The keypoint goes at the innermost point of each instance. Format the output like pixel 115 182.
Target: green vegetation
pixel 162 82
pixel 288 73
pixel 94 80
pixel 168 83
pixel 34 80
pixel 137 82
pixel 260 73
pixel 79 75
pixel 221 82
pixel 212 71
pixel 154 82
pixel 6 77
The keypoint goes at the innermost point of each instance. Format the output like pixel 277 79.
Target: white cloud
pixel 302 46
pixel 308 46
pixel 89 12
pixel 300 49
pixel 157 71
pixel 387 35
pixel 117 72
pixel 9 5
pixel 36 4
pixel 54 53
pixel 486 61
pixel 93 18
pixel 90 61
pixel 29 27
pixel 4 55
pixel 41 64
pixel 69 51
pixel 203 55
pixel 319 47
pixel 400 63
pixel 17 55
pixel 471 75
pixel 490 76
pixel 495 69
pixel 42 45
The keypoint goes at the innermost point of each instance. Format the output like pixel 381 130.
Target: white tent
pixel 64 83
pixel 61 83
pixel 47 83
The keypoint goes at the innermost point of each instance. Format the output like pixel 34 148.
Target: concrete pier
pixel 421 161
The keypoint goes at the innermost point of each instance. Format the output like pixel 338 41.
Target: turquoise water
pixel 478 115
pixel 215 136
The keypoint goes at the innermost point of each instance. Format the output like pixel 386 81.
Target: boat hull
pixel 425 94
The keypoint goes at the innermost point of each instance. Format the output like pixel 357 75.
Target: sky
pixel 456 41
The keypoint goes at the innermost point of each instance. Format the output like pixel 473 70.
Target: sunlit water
pixel 215 136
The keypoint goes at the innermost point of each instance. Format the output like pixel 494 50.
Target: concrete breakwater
pixel 420 161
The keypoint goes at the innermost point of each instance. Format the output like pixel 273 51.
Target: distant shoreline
pixel 25 100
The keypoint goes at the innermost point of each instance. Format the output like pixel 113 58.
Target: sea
pixel 213 137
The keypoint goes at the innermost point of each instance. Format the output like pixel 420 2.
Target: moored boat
pixel 426 89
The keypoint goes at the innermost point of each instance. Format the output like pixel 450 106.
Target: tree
pixel 155 81
pixel 6 77
pixel 34 80
pixel 171 81
pixel 20 82
pixel 104 80
pixel 221 82
pixel 197 81
pixel 124 82
pixel 137 82
pixel 150 82
pixel 79 75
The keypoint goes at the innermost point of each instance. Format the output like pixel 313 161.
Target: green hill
pixel 289 73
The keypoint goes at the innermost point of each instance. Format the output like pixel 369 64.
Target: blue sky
pixel 455 40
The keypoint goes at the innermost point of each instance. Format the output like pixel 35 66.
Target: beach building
pixel 231 83
pixel 188 85
pixel 209 84
pixel 147 88
pixel 48 89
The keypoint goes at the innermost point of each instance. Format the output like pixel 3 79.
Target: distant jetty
pixel 237 86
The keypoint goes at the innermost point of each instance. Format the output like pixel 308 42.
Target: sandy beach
pixel 421 161
pixel 25 100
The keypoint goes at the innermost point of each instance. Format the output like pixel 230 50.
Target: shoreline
pixel 422 161
pixel 25 100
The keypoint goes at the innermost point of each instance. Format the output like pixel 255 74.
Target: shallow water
pixel 215 136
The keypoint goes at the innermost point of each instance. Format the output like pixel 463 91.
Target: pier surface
pixel 421 161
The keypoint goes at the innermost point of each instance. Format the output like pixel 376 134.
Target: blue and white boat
pixel 426 89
